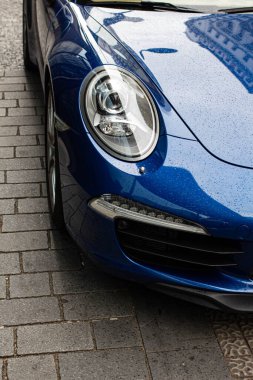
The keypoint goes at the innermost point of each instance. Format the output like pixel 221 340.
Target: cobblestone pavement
pixel 63 320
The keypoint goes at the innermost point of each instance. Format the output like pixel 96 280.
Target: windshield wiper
pixel 237 10
pixel 146 5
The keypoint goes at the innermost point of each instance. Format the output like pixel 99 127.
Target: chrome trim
pixel 59 124
pixel 111 211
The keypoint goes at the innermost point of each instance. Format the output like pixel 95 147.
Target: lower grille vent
pixel 161 246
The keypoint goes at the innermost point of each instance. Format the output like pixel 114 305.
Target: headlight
pixel 120 112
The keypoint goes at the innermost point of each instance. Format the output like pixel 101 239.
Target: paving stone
pixel 241 367
pixel 97 305
pixel 88 280
pixel 23 241
pixel 30 103
pixel 21 311
pixel 42 139
pixel 61 337
pixel 124 364
pixel 227 330
pixel 40 111
pixel 33 86
pixel 8 131
pixel 6 152
pixel 117 332
pixel 2 112
pixel 8 103
pixel 188 364
pixel 33 205
pixel 7 206
pixel 9 263
pixel 12 87
pixel 2 286
pixel 31 130
pixel 22 176
pixel 19 190
pixel 44 194
pixel 61 240
pixel 29 285
pixel 17 140
pixel 26 222
pixel 37 367
pixel 30 151
pixel 23 95
pixel 2 179
pixel 20 120
pixel 235 347
pixel 39 261
pixel 18 73
pixel 247 328
pixel 168 324
pixel 21 111
pixel 20 163
pixel 13 79
pixel 6 341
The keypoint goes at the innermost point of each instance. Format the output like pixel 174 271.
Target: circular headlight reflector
pixel 121 113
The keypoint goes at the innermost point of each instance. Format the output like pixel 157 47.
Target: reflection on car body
pixel 149 139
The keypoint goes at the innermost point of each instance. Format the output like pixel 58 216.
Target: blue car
pixel 149 138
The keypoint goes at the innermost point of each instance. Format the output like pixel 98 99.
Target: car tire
pixel 52 164
pixel 26 55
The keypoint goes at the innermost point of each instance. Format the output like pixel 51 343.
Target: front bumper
pixel 189 183
pixel 215 288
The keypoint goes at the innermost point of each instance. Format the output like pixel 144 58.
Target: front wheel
pixel 52 164
pixel 27 61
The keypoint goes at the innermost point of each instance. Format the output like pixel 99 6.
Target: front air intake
pixel 161 247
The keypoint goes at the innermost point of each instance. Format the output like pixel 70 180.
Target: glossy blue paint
pixel 201 168
pixel 205 91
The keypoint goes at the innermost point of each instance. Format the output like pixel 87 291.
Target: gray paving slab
pixel 82 281
pixel 53 260
pixel 29 285
pixel 2 286
pixel 6 152
pixel 7 206
pixel 91 305
pixel 26 222
pixel 167 324
pixel 194 364
pixel 6 341
pixel 55 337
pixel 122 364
pixel 23 241
pixel 22 311
pixel 9 263
pixel 33 205
pixel 39 367
pixel 117 332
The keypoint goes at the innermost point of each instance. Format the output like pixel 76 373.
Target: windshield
pixel 197 5
pixel 210 4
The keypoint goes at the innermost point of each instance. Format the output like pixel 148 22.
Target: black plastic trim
pixel 229 301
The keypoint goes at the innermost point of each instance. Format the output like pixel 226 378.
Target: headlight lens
pixel 121 114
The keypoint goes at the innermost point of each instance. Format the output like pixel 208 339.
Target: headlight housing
pixel 120 112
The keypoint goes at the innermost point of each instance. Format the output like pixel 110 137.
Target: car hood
pixel 203 65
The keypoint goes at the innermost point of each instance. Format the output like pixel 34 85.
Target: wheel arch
pixel 47 81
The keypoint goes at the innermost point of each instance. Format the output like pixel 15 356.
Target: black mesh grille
pixel 162 246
